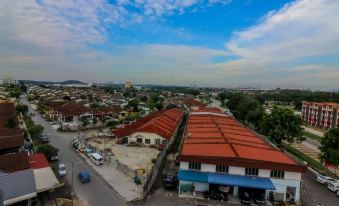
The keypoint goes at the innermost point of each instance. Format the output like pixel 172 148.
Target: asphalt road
pixel 95 193
pixel 314 193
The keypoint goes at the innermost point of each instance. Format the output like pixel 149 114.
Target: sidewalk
pixel 121 183
pixel 314 131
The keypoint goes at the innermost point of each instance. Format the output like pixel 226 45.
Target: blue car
pixel 84 177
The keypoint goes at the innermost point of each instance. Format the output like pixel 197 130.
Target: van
pixel 334 186
pixel 96 159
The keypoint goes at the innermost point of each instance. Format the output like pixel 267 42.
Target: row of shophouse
pixel 323 115
pixel 218 152
pixel 23 175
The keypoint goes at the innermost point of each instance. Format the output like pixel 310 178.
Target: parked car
pixel 84 177
pixel 245 198
pixel 96 159
pixel 322 179
pixel 215 195
pixel 333 186
pixel 259 199
pixel 54 158
pixel 44 138
pixel 88 152
pixel 82 148
pixel 62 170
pixel 170 181
pixel 75 145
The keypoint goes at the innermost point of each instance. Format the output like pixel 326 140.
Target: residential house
pixel 157 128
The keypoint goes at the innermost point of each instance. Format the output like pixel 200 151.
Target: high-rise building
pixel 128 85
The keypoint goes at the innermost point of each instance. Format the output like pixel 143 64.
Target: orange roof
pixel 163 123
pixel 211 135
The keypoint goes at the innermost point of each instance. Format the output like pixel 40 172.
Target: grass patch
pixel 312 136
pixel 310 162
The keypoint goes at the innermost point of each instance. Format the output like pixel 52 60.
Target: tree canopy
pixel 244 108
pixel 282 124
pixel 330 146
pixel 22 108
pixel 48 150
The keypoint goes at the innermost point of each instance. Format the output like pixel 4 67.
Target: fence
pixel 154 173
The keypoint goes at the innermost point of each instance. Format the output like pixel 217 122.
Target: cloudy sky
pixel 226 43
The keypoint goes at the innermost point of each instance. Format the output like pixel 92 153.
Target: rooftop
pixel 163 123
pixel 219 137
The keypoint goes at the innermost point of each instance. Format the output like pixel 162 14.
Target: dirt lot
pixel 133 156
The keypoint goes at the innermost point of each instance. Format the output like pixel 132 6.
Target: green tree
pixel 48 150
pixel 282 124
pixel 35 130
pixel 159 105
pixel 67 98
pixel 16 92
pixel 330 146
pixel 143 98
pixel 134 103
pixel 22 108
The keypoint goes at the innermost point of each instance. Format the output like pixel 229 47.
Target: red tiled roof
pixel 190 102
pixel 209 136
pixel 9 137
pixel 37 161
pixel 163 123
pixel 107 110
pixel 14 162
pixel 72 108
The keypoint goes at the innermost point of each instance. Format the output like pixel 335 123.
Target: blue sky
pixel 224 43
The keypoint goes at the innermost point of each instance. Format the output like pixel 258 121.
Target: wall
pixel 145 135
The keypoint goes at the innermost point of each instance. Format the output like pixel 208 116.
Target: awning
pixel 193 176
pixel 241 181
pixel 227 179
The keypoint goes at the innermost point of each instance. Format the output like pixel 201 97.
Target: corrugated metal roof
pixel 17 184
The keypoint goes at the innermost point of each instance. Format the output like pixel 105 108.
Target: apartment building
pixel 323 115
pixel 218 152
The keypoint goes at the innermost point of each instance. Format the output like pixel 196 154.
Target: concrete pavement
pixel 97 192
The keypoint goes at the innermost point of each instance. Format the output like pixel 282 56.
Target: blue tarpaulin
pixel 227 179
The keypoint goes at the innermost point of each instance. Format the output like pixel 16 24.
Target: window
pixel 277 174
pixel 147 141
pixel 139 140
pixel 194 166
pixel 251 171
pixel 221 168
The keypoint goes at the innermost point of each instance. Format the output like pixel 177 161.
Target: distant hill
pixel 49 82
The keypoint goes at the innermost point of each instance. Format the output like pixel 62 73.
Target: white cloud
pixel 284 38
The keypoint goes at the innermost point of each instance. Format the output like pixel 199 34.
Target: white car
pixel 96 159
pixel 62 170
pixel 334 186
pixel 325 179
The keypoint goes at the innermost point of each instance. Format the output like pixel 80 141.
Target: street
pixel 97 192
pixel 313 193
